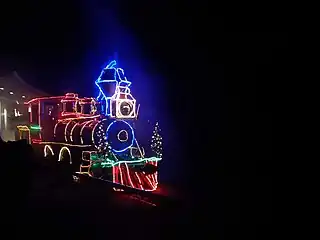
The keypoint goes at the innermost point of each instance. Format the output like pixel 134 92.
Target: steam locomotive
pixel 95 135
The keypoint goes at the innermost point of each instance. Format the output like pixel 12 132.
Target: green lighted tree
pixel 156 141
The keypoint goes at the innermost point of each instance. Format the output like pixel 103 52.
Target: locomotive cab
pixel 43 115
pixel 89 106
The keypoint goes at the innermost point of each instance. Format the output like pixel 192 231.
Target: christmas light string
pixel 156 141
pixel 139 180
pixel 109 164
pixel 111 65
pixel 61 143
pixel 45 152
pixel 65 130
pixel 100 133
pixel 134 148
pixel 39 118
pixel 43 98
pixel 122 92
pixel 152 184
pixel 82 128
pixel 119 170
pixel 24 129
pixel 72 129
pixel 142 153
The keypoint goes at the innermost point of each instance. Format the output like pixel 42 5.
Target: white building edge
pixel 14 91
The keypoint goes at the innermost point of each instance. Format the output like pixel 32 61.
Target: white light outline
pixel 127 135
pixel 72 129
pixel 119 91
pixel 46 152
pixel 65 130
pixel 61 151
pixel 88 122
pixel 135 148
pixel 92 134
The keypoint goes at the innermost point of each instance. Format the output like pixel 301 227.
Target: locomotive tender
pixel 95 135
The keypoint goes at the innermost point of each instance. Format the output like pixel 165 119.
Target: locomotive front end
pixel 118 153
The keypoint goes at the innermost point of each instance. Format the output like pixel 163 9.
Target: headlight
pixel 126 108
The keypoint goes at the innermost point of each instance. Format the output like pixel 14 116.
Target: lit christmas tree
pixel 103 145
pixel 156 141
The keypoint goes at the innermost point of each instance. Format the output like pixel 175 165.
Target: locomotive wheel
pixel 65 155
pixel 48 151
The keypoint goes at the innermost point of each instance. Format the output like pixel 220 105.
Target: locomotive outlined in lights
pixel 95 135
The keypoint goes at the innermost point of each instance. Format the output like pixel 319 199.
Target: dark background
pixel 212 76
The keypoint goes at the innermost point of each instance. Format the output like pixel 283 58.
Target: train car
pixel 95 135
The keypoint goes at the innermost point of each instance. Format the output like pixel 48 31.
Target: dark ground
pixel 43 197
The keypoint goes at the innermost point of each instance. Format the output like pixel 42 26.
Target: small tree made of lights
pixel 103 145
pixel 156 141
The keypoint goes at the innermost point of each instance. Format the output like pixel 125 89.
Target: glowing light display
pixel 120 146
pixel 156 141
pixel 115 92
pixel 47 150
pixel 99 128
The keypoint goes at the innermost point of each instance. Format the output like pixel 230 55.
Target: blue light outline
pixel 104 96
pixel 132 131
pixel 112 65
pixel 125 79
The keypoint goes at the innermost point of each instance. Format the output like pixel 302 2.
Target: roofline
pixel 28 85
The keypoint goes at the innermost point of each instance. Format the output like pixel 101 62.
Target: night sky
pixel 63 47
pixel 209 77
